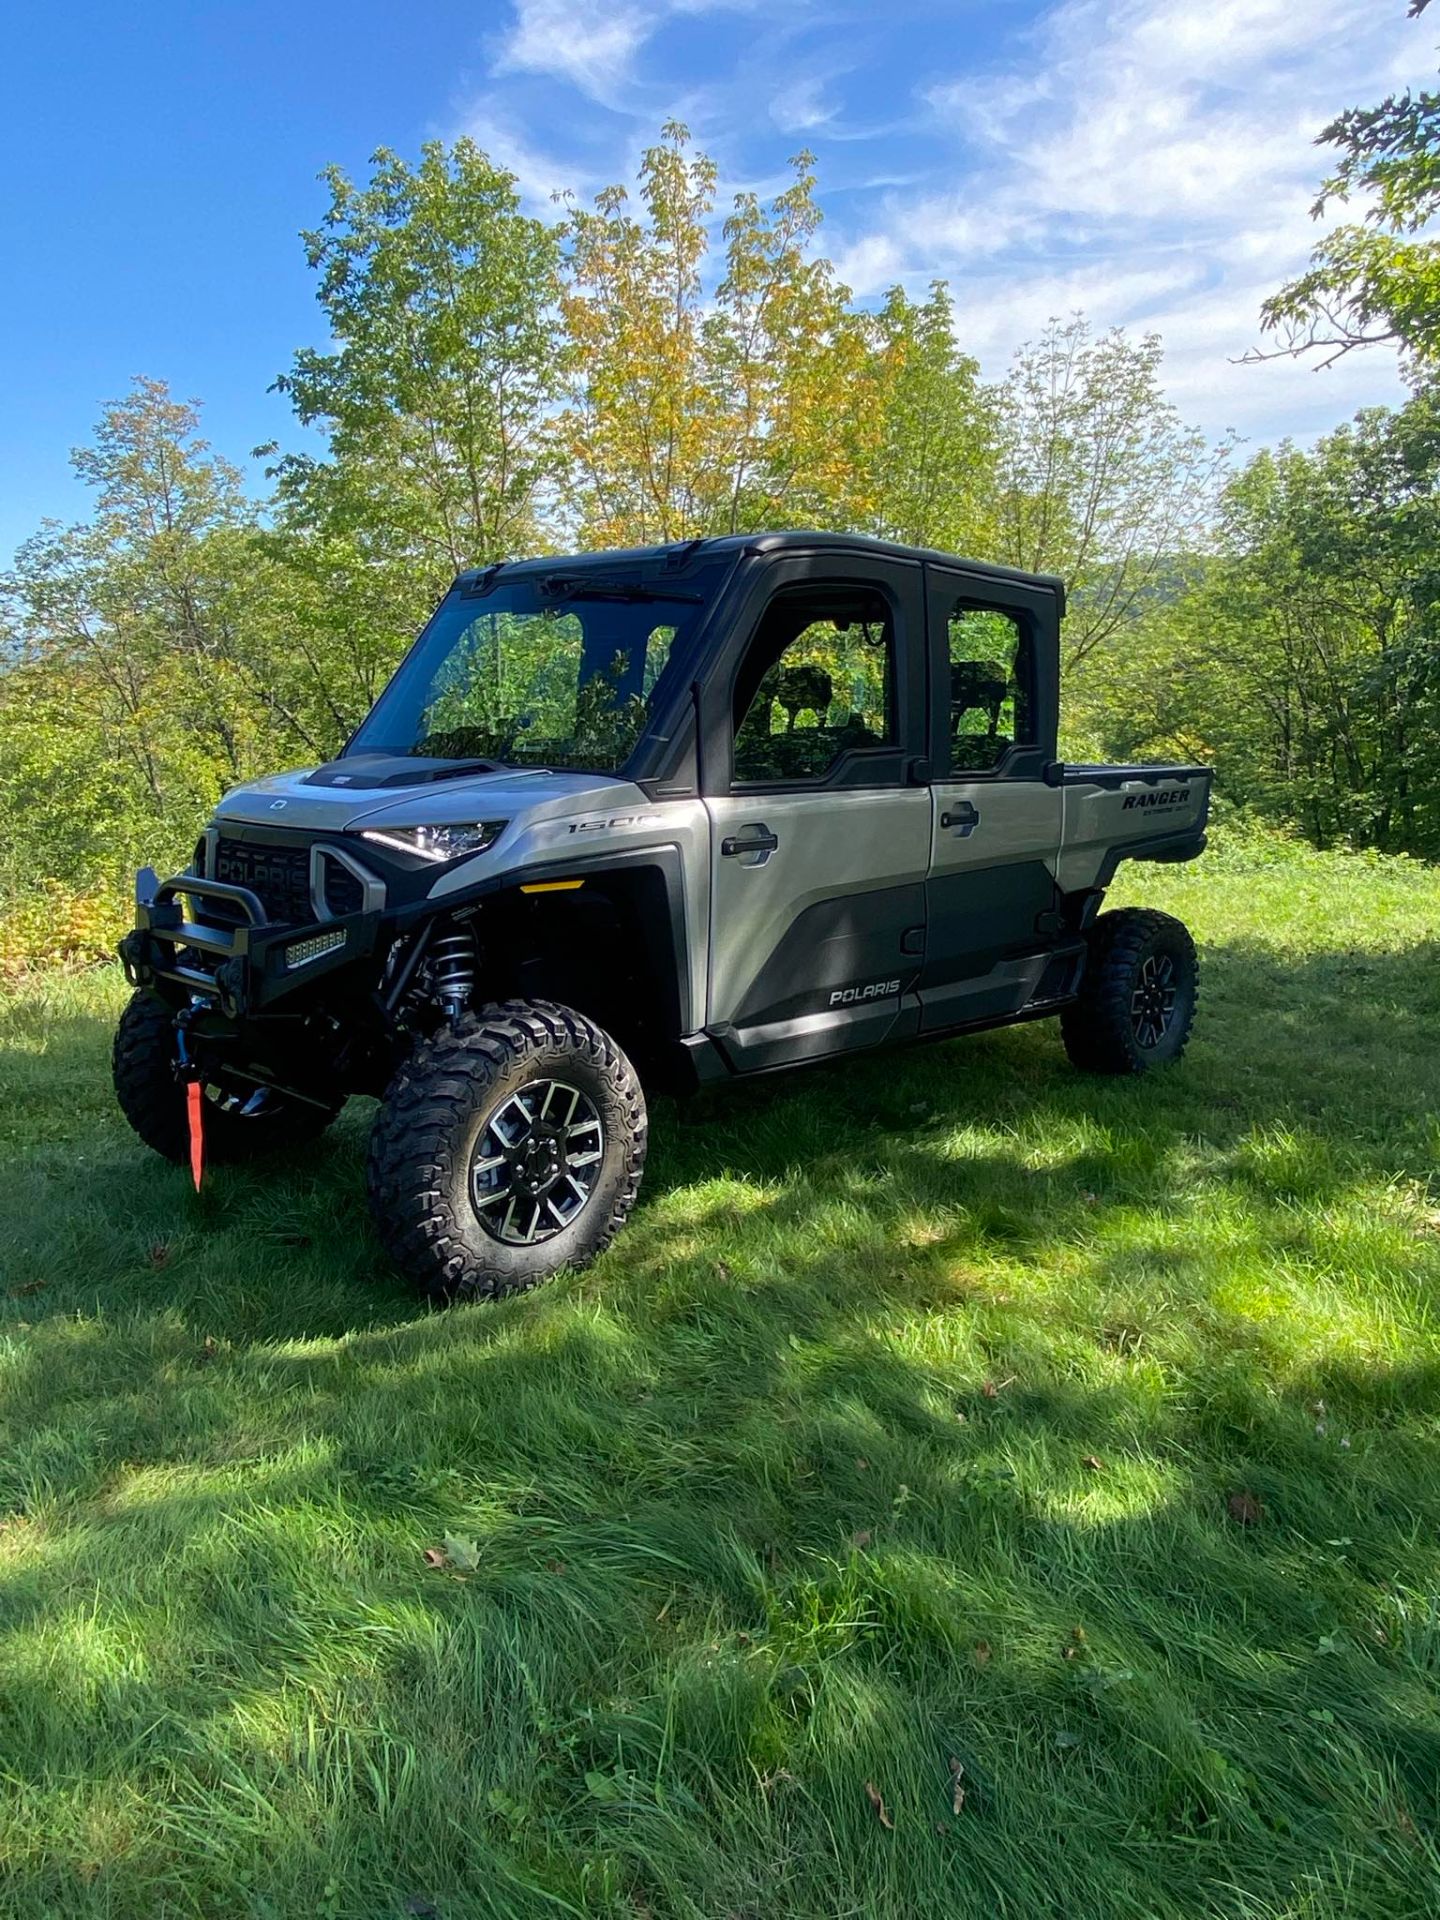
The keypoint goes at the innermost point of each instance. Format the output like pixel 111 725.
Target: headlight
pixel 437 843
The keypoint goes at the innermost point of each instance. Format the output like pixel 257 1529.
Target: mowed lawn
pixel 1053 1462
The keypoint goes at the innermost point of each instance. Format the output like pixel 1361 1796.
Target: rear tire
pixel 526 1119
pixel 152 1097
pixel 1137 1000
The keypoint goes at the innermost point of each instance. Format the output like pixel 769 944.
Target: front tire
pixel 505 1150
pixel 239 1125
pixel 1137 1000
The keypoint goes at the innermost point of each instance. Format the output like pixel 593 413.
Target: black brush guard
pixel 239 966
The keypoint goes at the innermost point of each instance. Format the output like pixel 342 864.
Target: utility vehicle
pixel 648 819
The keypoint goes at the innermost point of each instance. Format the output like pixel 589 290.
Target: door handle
pixel 759 840
pixel 963 818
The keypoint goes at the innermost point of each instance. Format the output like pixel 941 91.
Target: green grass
pixel 901 1426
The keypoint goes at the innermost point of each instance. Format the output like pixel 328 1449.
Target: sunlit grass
pixel 901 1428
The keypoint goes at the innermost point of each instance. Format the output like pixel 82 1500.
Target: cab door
pixel 820 833
pixel 995 821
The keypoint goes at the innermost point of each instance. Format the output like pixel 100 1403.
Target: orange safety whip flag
pixel 195 1110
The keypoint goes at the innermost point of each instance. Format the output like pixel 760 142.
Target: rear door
pixel 996 822
pixel 820 833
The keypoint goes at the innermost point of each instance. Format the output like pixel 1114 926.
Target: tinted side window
pixel 990 667
pixel 818 682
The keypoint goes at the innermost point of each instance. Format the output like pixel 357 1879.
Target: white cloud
pixel 588 42
pixel 541 177
pixel 1152 162
pixel 801 106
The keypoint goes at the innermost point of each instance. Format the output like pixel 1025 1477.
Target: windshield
pixel 555 670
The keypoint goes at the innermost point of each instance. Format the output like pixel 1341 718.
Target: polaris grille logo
pixel 1162 797
pixel 877 990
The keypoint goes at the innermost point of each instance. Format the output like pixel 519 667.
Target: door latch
pixel 963 818
pixel 758 839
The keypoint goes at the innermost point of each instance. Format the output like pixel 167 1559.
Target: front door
pixel 820 842
pixel 995 827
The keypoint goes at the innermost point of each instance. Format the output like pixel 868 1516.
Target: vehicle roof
pixel 799 539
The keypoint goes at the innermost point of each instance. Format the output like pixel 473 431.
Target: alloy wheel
pixel 1152 1003
pixel 536 1163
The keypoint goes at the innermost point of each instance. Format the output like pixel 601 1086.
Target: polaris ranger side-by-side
pixel 714 809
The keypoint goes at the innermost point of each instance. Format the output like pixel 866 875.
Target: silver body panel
pixel 738 909
pixel 552 820
pixel 830 845
pixel 1098 817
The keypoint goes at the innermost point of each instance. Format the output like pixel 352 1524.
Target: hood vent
pixel 368 772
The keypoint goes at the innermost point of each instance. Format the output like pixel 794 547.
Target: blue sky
pixel 1149 161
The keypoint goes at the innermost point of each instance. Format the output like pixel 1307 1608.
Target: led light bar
pixel 301 952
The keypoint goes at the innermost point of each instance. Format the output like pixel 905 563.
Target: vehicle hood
pixel 368 789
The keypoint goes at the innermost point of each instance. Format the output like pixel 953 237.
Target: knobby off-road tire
pixel 152 1097
pixel 1137 999
pixel 517 1089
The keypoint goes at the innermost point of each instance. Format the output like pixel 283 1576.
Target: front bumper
pixel 242 966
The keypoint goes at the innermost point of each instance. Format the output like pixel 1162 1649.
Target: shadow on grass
pixel 900 1428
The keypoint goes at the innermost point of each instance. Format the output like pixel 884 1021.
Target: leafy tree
pixel 127 697
pixel 644 427
pixel 788 357
pixel 1373 281
pixel 932 460
pixel 1306 658
pixel 441 298
pixel 1099 480
pixel 154 656
pixel 692 414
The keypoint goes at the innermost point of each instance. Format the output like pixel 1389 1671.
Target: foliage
pixel 691 414
pixel 440 296
pixel 644 426
pixel 1376 280
pixel 134 688
pixel 155 656
pixel 1305 658
pixel 930 478
pixel 945 1407
pixel 644 370
pixel 1099 480
pixel 50 925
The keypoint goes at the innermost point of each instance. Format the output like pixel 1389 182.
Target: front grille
pixel 279 877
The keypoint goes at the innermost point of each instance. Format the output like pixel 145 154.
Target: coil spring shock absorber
pixel 453 966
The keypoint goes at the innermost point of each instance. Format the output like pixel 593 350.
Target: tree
pixel 1306 659
pixel 1373 281
pixel 153 656
pixel 789 358
pixel 932 460
pixel 1098 478
pixel 124 695
pixel 441 297
pixel 644 422
pixel 697 412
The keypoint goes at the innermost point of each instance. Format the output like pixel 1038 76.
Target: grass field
pixel 937 1410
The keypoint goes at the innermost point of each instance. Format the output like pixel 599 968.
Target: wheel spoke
pixel 497 1125
pixel 529 1234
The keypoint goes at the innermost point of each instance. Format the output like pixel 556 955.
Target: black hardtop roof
pixel 682 553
